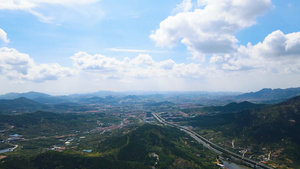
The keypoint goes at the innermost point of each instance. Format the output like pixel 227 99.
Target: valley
pixel 127 132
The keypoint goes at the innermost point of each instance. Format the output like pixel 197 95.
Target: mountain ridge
pixel 268 94
pixel 29 95
pixel 21 105
pixel 274 126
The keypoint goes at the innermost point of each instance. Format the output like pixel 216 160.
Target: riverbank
pixel 9 149
pixel 232 165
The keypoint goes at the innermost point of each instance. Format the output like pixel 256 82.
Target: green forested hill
pixel 148 145
pixel 25 105
pixel 276 126
pixel 232 107
pixel 57 160
pixel 43 123
pixel 21 105
pixel 275 123
pixel 271 123
pixel 169 144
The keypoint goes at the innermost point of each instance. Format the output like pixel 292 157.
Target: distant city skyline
pixel 65 47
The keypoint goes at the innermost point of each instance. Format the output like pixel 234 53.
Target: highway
pixel 210 145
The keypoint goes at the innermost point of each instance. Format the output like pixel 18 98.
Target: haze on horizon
pixel 64 47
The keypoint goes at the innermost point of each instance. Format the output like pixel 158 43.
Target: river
pixel 6 150
pixel 231 165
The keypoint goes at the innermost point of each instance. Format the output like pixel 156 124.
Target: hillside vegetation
pixel 229 108
pixel 43 123
pixel 275 126
pixel 148 145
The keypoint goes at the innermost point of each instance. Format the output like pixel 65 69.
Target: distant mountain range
pixel 25 105
pixel 270 95
pixel 29 95
pixel 265 96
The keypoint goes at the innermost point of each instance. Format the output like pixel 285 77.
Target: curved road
pixel 208 144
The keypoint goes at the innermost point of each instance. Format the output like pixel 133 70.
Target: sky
pixel 66 46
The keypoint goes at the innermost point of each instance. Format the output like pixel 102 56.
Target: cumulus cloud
pixel 44 72
pixel 141 67
pixel 143 60
pixel 262 64
pixel 97 62
pixel 250 65
pixel 167 64
pixel 3 36
pixel 207 28
pixel 210 27
pixel 278 45
pixel 278 53
pixel 21 67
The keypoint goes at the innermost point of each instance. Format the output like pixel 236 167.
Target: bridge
pixel 216 148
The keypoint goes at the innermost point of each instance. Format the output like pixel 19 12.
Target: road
pixel 210 145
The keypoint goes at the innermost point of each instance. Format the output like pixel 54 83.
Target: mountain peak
pixel 29 95
pixel 268 94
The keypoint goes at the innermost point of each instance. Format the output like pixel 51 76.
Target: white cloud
pixel 210 29
pixel 97 62
pixel 40 8
pixel 44 72
pixel 247 68
pixel 277 45
pixel 185 6
pixel 278 53
pixel 143 60
pixel 167 64
pixel 31 4
pixel 3 36
pixel 19 66
pixel 251 67
pixel 141 67
pixel 12 61
pixel 134 50
pixel 17 4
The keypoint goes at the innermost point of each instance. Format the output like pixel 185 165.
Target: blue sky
pixel 62 46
